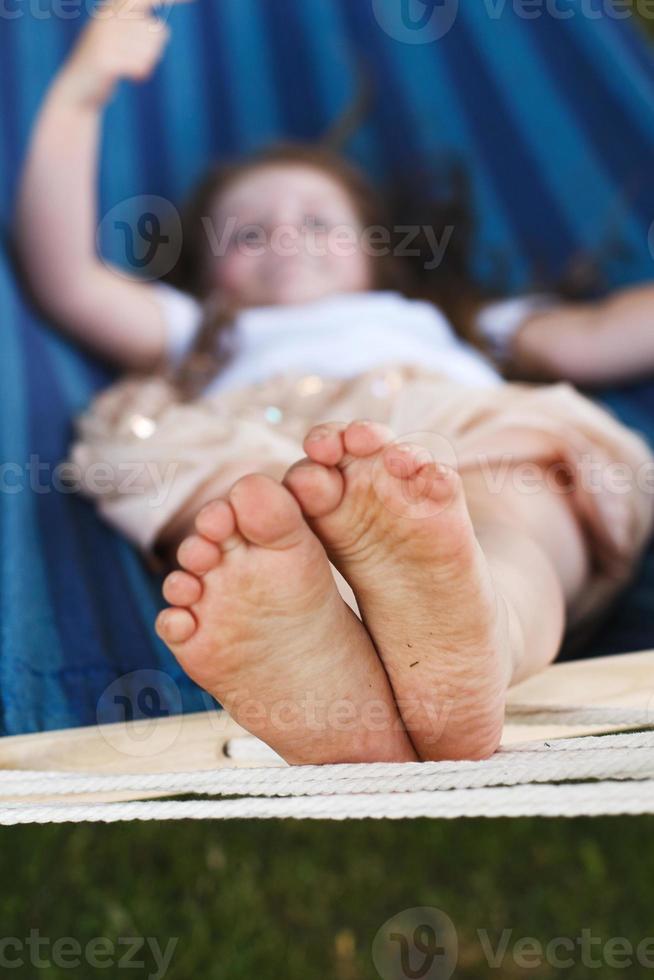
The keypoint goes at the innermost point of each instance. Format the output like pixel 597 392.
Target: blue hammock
pixel 554 119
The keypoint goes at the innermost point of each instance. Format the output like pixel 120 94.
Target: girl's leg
pixel 538 559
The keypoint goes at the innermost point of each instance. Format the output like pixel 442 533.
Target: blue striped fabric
pixel 554 118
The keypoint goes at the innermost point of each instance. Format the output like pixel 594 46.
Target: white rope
pixel 587 776
pixel 614 757
pixel 549 778
pixel 526 714
pixel 584 799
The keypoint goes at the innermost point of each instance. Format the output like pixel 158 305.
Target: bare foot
pixel 398 529
pixel 260 624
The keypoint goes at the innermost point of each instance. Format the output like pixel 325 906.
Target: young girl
pixel 375 535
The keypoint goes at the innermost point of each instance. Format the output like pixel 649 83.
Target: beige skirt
pixel 142 455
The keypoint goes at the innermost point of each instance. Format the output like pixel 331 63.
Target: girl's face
pixel 285 234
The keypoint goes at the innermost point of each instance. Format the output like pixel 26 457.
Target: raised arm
pixel 55 223
pixel 590 344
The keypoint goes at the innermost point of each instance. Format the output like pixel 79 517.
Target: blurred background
pixel 550 105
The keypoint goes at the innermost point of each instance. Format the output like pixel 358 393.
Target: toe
pixel 318 489
pixel 409 487
pixel 267 514
pixel 216 521
pixel 198 555
pixel 439 481
pixel 182 589
pixel 175 625
pixel 363 438
pixel 404 460
pixel 324 443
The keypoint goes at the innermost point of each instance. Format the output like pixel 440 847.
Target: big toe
pixel 267 514
pixel 318 489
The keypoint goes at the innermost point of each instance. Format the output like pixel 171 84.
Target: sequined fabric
pixel 142 455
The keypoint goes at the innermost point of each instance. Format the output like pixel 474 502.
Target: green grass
pixel 303 901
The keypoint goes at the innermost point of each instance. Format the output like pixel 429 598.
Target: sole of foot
pixel 396 524
pixel 258 622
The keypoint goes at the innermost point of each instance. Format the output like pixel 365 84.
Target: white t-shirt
pixel 500 321
pixel 338 336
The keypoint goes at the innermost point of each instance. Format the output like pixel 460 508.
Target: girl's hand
pixel 123 40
